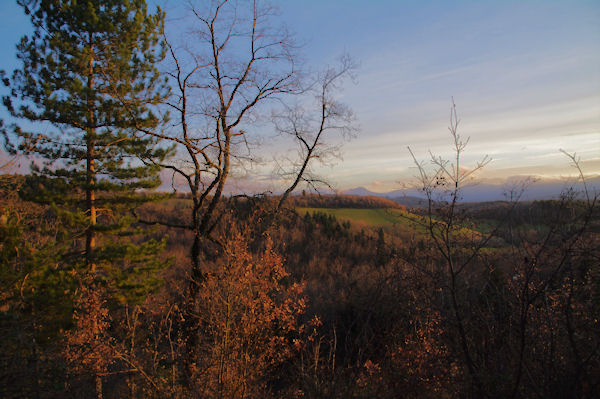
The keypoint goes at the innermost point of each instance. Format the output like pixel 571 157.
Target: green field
pixel 383 217
pixel 368 217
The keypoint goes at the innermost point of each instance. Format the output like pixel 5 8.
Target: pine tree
pixel 87 84
pixel 88 81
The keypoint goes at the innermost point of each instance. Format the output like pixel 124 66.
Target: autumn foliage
pixel 249 318
pixel 104 294
pixel 89 348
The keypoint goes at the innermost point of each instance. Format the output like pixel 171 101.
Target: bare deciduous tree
pixel 521 292
pixel 443 186
pixel 236 62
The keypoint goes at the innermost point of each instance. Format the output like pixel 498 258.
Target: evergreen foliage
pixel 88 81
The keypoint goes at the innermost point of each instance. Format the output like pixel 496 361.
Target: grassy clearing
pixel 395 219
pixel 369 217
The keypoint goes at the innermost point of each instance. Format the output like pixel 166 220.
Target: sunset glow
pixel 525 77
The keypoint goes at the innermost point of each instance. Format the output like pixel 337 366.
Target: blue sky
pixel 525 76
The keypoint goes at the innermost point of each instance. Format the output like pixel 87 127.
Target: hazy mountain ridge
pixel 479 192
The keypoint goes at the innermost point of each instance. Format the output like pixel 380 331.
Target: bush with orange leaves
pixel 89 349
pixel 249 322
pixel 423 362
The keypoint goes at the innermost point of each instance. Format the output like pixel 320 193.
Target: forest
pixel 113 288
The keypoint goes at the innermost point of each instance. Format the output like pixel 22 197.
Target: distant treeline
pixel 316 201
pixel 342 201
pixel 535 212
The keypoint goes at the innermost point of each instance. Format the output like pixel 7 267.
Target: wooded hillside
pixel 112 289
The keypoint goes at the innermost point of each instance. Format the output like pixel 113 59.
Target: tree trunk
pixel 98 386
pixel 90 242
pixel 196 272
pixel 191 322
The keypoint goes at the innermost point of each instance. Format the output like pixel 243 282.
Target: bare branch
pixel 309 132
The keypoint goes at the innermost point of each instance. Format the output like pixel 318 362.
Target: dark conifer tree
pixel 88 81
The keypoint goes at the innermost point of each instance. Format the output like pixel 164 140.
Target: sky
pixel 525 77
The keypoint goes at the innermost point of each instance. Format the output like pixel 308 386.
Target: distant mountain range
pixel 480 192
